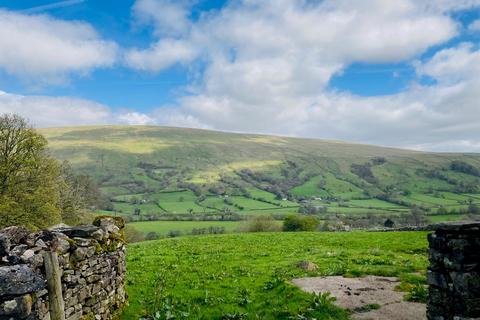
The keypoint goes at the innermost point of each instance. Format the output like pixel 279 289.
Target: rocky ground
pixel 360 294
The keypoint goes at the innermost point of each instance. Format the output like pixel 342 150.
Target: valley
pixel 163 173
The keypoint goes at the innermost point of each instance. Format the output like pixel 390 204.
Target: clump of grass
pixel 367 308
pixel 322 300
pixel 415 286
pixel 418 293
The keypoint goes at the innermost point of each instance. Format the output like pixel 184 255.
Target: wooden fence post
pixel 54 284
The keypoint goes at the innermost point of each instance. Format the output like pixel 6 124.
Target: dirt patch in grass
pixel 370 297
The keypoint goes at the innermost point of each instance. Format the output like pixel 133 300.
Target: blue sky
pixel 114 21
pixel 390 73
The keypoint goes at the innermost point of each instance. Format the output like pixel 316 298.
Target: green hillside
pixel 162 171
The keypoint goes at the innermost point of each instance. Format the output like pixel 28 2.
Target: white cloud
pixel 171 24
pixel 161 55
pixel 446 6
pixel 42 49
pixel 44 111
pixel 325 35
pixel 453 64
pixel 268 65
pixel 442 117
pixel 169 17
pixel 135 118
pixel 474 26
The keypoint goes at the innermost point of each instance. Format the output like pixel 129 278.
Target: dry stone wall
pixel 92 267
pixel 454 272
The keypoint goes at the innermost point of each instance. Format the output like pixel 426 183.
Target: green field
pixel 162 228
pixel 245 276
pixel 447 217
pixel 374 203
pixel 258 172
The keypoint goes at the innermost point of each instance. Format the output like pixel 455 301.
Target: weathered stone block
pixel 18 280
pixel 79 254
pixel 83 242
pixel 16 235
pixel 4 245
pixel 18 308
pixel 437 279
pixel 62 245
pixel 75 316
pixel 454 275
pixel 466 284
pixel 84 231
pixel 99 235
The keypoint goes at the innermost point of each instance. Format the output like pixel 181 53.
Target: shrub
pixel 261 224
pixel 363 171
pixel 133 235
pixel 473 208
pixel 152 236
pixel 174 233
pixel 311 209
pixel 464 167
pixel 300 223
pixel 442 210
pixel 378 161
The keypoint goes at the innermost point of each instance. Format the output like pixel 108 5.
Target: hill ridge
pixel 135 165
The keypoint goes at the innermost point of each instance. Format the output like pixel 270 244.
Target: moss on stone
pixel 98 248
pixel 73 243
pixel 112 246
pixel 119 222
pixel 88 316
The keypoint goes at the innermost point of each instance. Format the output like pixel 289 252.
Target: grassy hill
pixel 246 276
pixel 163 171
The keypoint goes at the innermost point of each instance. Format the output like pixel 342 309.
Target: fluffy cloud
pixel 324 35
pixel 169 17
pixel 268 66
pixel 440 117
pixel 161 55
pixel 44 49
pixel 446 6
pixel 171 23
pixel 135 118
pixel 453 64
pixel 44 111
pixel 474 26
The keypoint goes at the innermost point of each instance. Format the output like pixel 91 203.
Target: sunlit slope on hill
pixel 178 170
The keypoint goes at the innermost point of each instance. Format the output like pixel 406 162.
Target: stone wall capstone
pixel 91 260
pixel 454 272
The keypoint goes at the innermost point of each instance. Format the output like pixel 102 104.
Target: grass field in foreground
pixel 245 276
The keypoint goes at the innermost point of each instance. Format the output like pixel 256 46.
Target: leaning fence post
pixel 54 284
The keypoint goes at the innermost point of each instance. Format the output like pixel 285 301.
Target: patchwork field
pixel 150 171
pixel 246 276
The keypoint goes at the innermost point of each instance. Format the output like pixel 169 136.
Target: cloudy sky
pixel 402 73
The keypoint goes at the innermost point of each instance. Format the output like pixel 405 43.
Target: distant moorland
pixel 152 173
